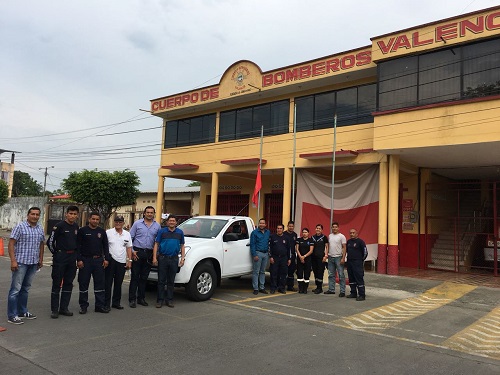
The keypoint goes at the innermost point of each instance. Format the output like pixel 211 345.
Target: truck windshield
pixel 202 227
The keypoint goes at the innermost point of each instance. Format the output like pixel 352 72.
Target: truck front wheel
pixel 202 284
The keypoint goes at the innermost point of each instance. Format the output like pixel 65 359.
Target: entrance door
pixel 460 226
pixel 230 204
pixel 273 210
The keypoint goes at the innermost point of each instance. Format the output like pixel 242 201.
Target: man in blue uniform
pixel 62 243
pixel 93 258
pixel 259 247
pixel 356 255
pixel 319 257
pixel 143 234
pixel 169 242
pixel 293 263
pixel 280 254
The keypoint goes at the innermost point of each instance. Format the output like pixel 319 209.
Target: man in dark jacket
pixel 62 243
pixel 280 254
pixel 356 255
pixel 93 258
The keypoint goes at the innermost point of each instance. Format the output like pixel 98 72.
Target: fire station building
pixel 407 127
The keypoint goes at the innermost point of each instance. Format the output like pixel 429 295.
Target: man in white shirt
pixel 120 251
pixel 336 259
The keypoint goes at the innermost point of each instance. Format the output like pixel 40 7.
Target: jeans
pixel 17 300
pixel 167 269
pixel 259 271
pixel 334 265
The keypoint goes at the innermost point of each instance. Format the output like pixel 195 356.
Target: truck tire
pixel 202 284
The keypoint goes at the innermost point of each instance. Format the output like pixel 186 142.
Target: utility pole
pixel 45 180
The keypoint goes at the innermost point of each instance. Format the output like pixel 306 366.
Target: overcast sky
pixel 74 74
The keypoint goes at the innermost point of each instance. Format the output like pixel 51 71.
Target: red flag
pixel 258 186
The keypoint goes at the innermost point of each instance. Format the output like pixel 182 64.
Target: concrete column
pixel 393 217
pixel 287 195
pixel 214 190
pixel 159 198
pixel 382 217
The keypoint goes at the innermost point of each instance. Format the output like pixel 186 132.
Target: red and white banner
pixel 355 205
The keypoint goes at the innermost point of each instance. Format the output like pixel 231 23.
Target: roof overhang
pixel 180 167
pixel 328 155
pixel 249 161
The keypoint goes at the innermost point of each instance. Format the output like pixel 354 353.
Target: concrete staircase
pixel 443 252
pixel 443 255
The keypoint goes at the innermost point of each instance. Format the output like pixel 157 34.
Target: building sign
pixel 410 217
pixel 329 66
pixel 181 100
pixel 450 31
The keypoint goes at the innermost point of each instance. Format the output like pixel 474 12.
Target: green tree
pixel 194 183
pixel 25 186
pixel 103 191
pixel 4 192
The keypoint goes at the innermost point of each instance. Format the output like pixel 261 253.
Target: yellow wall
pixel 472 122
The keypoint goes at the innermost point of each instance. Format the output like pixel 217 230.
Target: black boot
pixel 306 285
pixel 301 286
pixel 319 287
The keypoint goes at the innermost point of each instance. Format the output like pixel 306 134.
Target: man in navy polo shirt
pixel 169 242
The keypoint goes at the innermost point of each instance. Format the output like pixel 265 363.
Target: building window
pixel 481 69
pixel 190 131
pixel 353 105
pixel 397 85
pixel 247 122
pixel 459 72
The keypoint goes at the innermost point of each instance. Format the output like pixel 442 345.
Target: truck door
pixel 236 253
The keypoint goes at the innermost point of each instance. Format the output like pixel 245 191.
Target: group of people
pixel 103 255
pixel 289 254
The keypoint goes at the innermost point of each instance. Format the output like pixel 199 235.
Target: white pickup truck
pixel 217 247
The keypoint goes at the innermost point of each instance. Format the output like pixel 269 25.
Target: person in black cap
pixel 120 260
pixel 93 258
pixel 62 243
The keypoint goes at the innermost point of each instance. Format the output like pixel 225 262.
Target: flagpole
pixel 333 165
pixel 294 151
pixel 260 166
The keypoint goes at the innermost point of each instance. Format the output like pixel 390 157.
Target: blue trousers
pixel 92 267
pixel 279 272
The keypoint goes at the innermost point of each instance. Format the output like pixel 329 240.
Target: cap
pixel 119 218
pixel 165 216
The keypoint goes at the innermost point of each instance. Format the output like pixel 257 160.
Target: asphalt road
pixel 405 326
